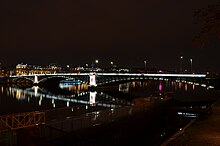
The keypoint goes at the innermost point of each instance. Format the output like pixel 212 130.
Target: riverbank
pixel 139 125
pixel 201 132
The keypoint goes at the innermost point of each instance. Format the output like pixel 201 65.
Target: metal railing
pixel 22 120
pixel 71 124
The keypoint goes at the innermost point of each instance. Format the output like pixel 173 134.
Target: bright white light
pixel 203 85
pixel 39 103
pixel 92 79
pixel 35 90
pixel 92 97
pixel 123 74
pixel 35 79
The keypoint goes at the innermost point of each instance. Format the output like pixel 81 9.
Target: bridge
pixel 94 79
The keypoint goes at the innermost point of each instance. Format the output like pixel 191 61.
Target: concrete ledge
pixel 180 132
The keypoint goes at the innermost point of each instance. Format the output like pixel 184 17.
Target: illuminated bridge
pixel 100 79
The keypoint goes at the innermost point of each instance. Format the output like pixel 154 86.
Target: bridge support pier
pixel 35 80
pixel 92 80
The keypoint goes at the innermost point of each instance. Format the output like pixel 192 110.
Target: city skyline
pixel 183 65
pixel 127 33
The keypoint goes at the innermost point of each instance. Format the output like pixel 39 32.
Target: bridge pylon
pixel 92 80
pixel 35 79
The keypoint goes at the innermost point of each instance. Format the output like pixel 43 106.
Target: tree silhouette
pixel 208 19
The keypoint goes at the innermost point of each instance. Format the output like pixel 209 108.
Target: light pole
pixel 112 65
pixel 191 64
pixel 96 62
pixel 181 63
pixel 145 65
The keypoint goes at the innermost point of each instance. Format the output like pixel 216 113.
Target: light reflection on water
pixel 36 98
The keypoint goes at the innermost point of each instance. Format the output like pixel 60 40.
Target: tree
pixel 209 21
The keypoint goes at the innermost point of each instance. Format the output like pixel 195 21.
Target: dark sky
pixel 124 31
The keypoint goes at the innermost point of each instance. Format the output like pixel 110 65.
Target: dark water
pixel 158 124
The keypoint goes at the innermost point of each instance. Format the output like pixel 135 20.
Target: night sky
pixel 126 32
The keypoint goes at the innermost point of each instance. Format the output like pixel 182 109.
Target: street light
pixel 181 62
pixel 96 61
pixel 112 65
pixel 191 63
pixel 145 62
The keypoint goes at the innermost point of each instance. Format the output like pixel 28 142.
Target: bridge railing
pixel 100 117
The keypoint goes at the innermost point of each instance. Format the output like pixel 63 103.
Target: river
pixel 79 100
